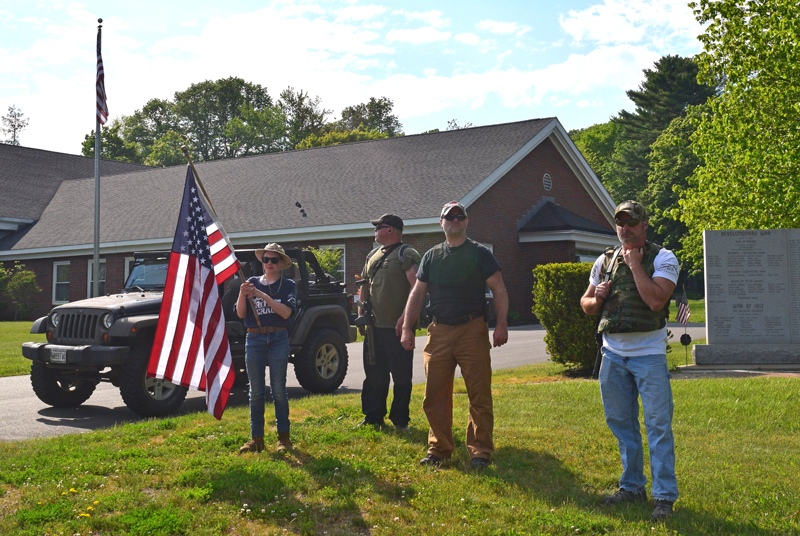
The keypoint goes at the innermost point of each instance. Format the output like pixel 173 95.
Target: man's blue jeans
pixel 260 349
pixel 622 381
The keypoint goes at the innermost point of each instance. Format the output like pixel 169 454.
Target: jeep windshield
pixel 148 273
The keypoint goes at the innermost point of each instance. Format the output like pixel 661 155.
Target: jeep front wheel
pixel 59 390
pixel 322 363
pixel 149 397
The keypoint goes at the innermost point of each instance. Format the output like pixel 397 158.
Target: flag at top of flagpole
pixel 191 345
pixel 102 107
pixel 682 303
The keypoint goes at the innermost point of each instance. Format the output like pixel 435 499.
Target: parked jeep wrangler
pixel 109 338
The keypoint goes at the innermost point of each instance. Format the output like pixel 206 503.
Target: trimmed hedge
pixel 557 291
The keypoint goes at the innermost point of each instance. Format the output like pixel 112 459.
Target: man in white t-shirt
pixel 634 304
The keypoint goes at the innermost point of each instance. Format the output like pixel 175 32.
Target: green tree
pixel 304 115
pixel 750 140
pixel 666 92
pixel 113 146
pixel 374 115
pixel 598 143
pixel 339 137
pixel 19 285
pixel 204 110
pixel 258 131
pixel 154 120
pixel 166 151
pixel 13 125
pixel 672 162
pixel 329 259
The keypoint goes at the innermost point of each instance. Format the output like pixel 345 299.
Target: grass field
pixel 12 335
pixel 697 309
pixel 736 443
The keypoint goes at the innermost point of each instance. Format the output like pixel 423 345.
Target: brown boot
pixel 284 443
pixel 254 445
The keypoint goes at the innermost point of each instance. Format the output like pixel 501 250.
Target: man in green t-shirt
pixel 391 272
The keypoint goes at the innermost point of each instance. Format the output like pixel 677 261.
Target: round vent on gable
pixel 547 181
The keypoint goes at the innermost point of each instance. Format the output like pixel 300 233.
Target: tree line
pixel 714 140
pixel 230 117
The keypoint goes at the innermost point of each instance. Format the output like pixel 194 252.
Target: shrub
pixel 557 291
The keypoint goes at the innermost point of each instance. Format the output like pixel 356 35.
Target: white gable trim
pixel 307 234
pixel 584 240
pixel 569 152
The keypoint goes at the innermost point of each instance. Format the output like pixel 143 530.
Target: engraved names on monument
pixel 752 297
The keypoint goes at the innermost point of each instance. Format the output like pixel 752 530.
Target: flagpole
pixel 224 234
pixel 96 256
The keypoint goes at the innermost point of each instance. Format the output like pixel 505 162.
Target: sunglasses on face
pixel 451 217
pixel 379 227
pixel 629 223
pixel 273 260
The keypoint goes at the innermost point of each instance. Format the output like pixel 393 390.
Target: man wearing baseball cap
pixel 634 304
pixel 390 271
pixel 456 273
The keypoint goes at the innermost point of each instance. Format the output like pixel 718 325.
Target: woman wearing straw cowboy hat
pixel 267 342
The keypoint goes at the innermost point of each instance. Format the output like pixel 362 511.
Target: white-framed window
pixel 60 282
pixel 128 267
pixel 490 247
pixel 342 270
pixel 89 280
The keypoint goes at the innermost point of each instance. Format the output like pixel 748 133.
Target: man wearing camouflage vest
pixel 634 304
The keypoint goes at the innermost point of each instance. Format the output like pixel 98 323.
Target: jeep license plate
pixel 58 355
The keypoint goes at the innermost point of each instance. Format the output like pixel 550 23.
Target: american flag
pixel 191 346
pixel 683 308
pixel 102 107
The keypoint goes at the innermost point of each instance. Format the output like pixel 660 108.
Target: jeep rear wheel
pixel 150 397
pixel 57 389
pixel 322 363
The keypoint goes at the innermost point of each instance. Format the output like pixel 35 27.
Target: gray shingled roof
pixel 552 217
pixel 345 184
pixel 30 177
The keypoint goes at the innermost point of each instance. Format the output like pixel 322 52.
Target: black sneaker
pixel 478 464
pixel 431 460
pixel 624 496
pixel 662 510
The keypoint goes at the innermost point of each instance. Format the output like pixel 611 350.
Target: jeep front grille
pixel 77 328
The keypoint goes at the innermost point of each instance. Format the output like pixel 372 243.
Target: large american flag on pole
pixel 102 107
pixel 682 303
pixel 191 346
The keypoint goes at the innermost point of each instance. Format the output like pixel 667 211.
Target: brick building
pixel 531 198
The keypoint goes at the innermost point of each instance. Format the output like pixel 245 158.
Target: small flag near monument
pixel 682 303
pixel 191 345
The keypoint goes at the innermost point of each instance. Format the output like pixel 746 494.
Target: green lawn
pixel 12 335
pixel 737 467
pixel 697 310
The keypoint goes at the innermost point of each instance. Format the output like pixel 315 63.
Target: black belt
pixel 265 329
pixel 459 320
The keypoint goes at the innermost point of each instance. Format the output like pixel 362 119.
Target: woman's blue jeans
pixel 262 349
pixel 622 381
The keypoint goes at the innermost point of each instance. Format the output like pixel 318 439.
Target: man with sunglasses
pixel 634 305
pixel 390 271
pixel 456 273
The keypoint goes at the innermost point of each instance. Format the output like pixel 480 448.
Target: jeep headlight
pixel 54 318
pixel 107 320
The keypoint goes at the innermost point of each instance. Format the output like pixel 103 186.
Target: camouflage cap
pixel 632 209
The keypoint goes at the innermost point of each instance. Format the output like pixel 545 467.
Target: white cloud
pixel 189 23
pixel 632 21
pixel 468 38
pixel 359 13
pixel 429 72
pixel 434 18
pixel 417 36
pixel 502 56
pixel 502 28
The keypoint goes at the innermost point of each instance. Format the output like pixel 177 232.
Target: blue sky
pixel 481 62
